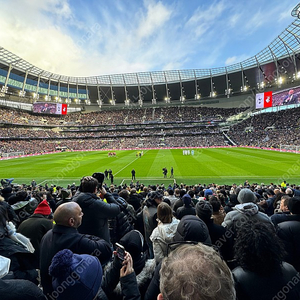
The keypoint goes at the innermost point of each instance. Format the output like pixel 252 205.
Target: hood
pixel 249 209
pixel 191 228
pixel 85 199
pixel 168 230
pixel 133 242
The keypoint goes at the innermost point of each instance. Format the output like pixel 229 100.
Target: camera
pixel 120 251
pixel 100 177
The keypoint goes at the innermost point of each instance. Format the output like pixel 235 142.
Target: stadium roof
pixel 287 44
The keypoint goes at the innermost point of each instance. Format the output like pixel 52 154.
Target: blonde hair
pixel 193 272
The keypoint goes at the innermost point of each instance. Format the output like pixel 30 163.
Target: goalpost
pixel 11 154
pixel 290 148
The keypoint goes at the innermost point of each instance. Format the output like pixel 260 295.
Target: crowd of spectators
pixel 124 116
pixel 268 129
pixel 147 130
pixel 241 241
pixel 44 146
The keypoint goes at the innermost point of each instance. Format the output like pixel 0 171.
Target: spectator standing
pixel 164 232
pixel 36 226
pixel 96 212
pixel 64 235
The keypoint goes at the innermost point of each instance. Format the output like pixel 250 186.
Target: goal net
pixel 289 148
pixel 11 154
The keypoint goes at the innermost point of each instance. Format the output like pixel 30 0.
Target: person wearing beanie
pixel 65 235
pixel 289 232
pixel 36 226
pixel 187 208
pixel 207 193
pixel 82 275
pixel 244 212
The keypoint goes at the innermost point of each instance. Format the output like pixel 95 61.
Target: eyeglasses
pixel 172 246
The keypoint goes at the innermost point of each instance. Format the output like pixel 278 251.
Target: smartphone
pixel 120 251
pixel 100 177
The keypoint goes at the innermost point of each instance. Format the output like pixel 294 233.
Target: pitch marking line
pixel 128 165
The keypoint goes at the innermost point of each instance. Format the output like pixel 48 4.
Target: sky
pixel 98 37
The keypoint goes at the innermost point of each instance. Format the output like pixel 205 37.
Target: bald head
pixel 68 214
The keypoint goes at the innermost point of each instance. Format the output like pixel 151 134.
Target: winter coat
pixel 289 232
pixel 22 261
pixel 149 218
pixel 35 227
pixel 62 237
pixel 17 289
pixel 252 286
pixel 161 236
pixel 135 200
pixel 133 242
pixel 184 211
pixel 143 280
pixel 191 228
pixel 96 213
pixel 283 216
pixel 243 213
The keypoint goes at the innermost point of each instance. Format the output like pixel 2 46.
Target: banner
pixel 264 100
pixel 61 109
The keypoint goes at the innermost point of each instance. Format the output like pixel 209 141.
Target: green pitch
pixel 217 165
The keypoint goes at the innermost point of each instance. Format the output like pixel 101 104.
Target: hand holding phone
pixel 120 252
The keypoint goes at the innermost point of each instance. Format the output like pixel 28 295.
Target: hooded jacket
pixel 133 242
pixel 243 213
pixel 96 214
pixel 289 232
pixel 191 228
pixel 161 236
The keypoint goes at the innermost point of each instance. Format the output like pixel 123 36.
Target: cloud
pixel 204 19
pixel 156 16
pixel 235 59
pixel 107 37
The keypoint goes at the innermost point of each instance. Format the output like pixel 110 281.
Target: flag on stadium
pixel 61 109
pixel 64 109
pixel 264 100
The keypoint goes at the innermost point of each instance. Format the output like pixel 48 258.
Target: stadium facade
pixel 277 66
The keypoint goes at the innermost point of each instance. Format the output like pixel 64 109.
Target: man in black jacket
pixel 64 235
pixel 289 232
pixel 96 212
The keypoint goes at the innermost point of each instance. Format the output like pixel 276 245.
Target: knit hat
pixel 43 208
pixel 80 274
pixel 294 205
pixel 245 196
pixel 204 210
pixel 191 228
pixel 186 199
pixel 208 192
